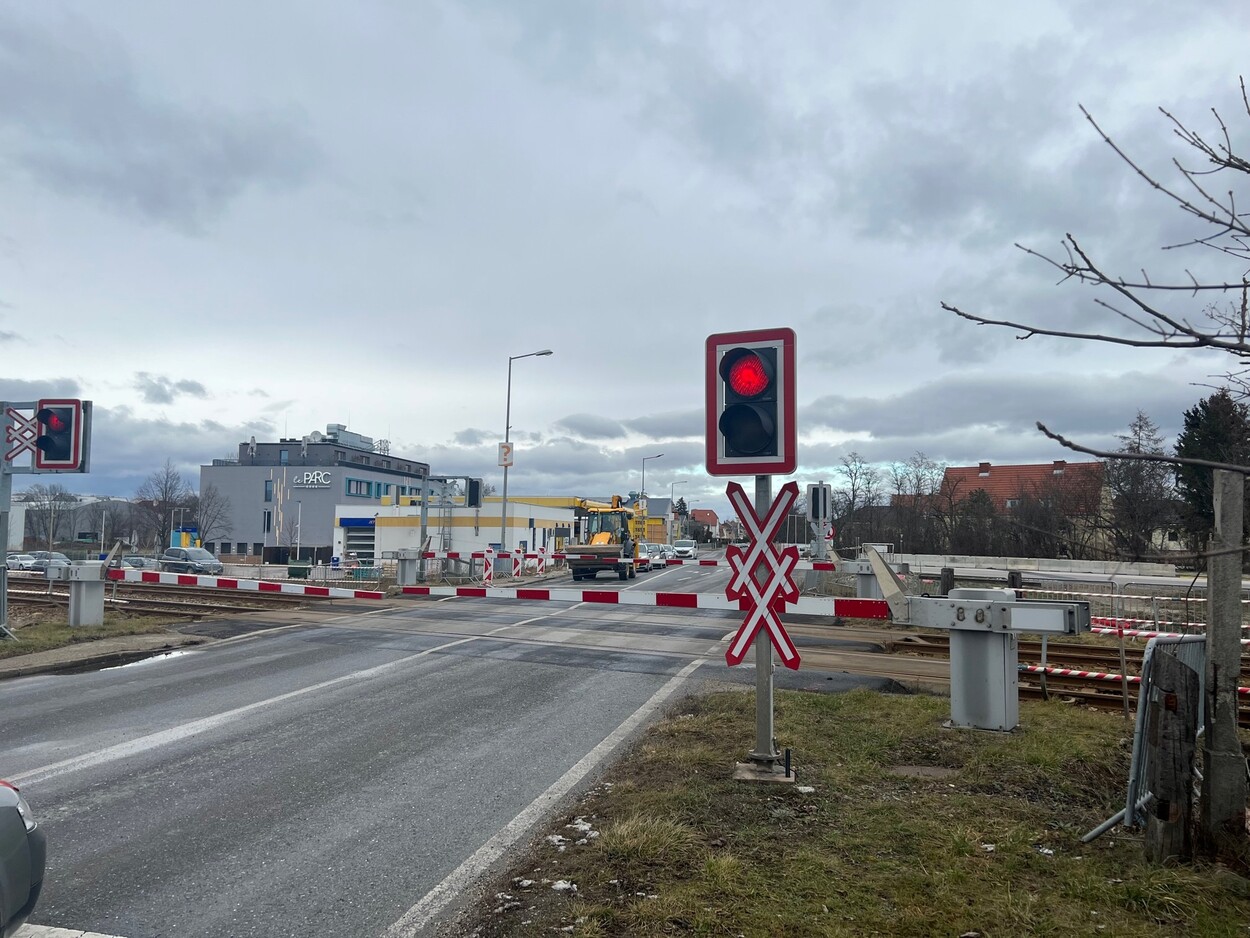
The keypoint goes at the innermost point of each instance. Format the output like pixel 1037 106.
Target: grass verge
pixel 896 827
pixel 46 635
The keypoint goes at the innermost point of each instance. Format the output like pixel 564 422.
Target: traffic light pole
pixel 765 753
pixel 6 501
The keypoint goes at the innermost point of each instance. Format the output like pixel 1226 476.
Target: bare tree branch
pixel 1142 457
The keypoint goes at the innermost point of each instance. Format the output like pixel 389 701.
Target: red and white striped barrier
pixel 807 605
pixel 1143 633
pixel 1092 675
pixel 542 557
pixel 231 583
pixel 1115 623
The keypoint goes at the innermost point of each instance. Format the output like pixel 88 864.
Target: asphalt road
pixel 341 778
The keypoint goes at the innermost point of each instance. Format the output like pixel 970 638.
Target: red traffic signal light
pixel 751 403
pixel 61 441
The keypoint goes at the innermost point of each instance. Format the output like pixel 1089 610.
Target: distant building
pixel 1008 486
pixel 285 494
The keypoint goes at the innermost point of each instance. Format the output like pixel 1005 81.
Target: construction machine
pixel 609 540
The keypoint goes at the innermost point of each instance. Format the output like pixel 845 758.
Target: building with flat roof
pixel 283 495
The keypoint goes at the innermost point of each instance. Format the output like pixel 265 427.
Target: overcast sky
pixel 239 218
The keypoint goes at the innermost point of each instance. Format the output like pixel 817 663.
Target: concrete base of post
pixel 86 603
pixel 762 772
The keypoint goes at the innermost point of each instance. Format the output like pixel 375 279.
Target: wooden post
pixel 1171 731
pixel 948 581
pixel 1224 776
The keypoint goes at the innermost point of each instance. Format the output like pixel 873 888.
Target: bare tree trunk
pixel 1224 779
pixel 1170 734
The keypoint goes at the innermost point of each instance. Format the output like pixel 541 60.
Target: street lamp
pixel 672 506
pixel 299 518
pixel 642 493
pixel 507 438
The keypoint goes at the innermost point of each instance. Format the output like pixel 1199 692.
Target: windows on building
pixel 258 549
pixel 267 521
pixel 242 549
pixel 284 457
pixel 359 487
pixel 268 491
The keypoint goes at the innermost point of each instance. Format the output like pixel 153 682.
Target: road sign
pixel 505 454
pixel 23 431
pixel 761 580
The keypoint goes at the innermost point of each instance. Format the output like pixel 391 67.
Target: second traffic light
pixel 63 435
pixel 750 403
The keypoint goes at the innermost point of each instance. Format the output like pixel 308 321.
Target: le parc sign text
pixel 312 479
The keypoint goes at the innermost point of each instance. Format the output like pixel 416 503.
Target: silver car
pixel 23 855
pixel 686 550
pixel 19 561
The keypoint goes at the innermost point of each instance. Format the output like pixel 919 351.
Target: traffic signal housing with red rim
pixel 61 445
pixel 750 403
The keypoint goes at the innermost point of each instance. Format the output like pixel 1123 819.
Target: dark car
pixel 48 558
pixel 190 560
pixel 23 855
pixel 142 563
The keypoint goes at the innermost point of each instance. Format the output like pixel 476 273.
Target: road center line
pixel 438 898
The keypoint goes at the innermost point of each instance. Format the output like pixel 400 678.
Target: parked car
pixel 48 558
pixel 669 551
pixel 686 550
pixel 644 557
pixel 142 563
pixel 23 856
pixel 190 560
pixel 658 558
pixel 19 561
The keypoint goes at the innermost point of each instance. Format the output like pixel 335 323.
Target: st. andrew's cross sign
pixel 761 580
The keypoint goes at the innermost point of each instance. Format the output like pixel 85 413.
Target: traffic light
pixel 61 444
pixel 473 493
pixel 750 403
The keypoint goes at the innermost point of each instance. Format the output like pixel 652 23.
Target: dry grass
pixel 992 848
pixel 50 631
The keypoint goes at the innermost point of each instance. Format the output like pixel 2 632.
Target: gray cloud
pixel 670 424
pixel 592 427
pixel 77 117
pixel 158 389
pixel 472 437
pixel 11 390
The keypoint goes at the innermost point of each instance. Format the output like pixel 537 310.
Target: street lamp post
pixel 642 493
pixel 171 523
pixel 299 518
pixel 507 438
pixel 672 506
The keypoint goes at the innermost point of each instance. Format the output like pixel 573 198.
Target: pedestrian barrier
pixel 232 583
pixel 1191 651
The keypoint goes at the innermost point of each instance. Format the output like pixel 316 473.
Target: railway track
pixel 922 658
pixel 158 599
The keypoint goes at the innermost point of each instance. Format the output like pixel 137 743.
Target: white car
pixel 659 558
pixel 644 557
pixel 19 561
pixel 686 550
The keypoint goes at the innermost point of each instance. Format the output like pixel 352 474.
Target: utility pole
pixel 1223 820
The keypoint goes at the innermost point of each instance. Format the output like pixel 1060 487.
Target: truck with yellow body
pixel 609 540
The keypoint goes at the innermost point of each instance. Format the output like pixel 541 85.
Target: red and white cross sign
pixel 23 431
pixel 773 566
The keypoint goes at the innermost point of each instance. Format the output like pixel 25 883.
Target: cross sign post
pixel 751 430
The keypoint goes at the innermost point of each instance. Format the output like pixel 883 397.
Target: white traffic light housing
pixel 750 403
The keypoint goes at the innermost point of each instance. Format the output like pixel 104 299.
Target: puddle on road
pixel 128 660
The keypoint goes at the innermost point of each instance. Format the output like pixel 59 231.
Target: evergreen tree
pixel 1216 429
pixel 1141 492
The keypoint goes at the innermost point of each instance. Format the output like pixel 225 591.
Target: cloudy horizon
pixel 237 221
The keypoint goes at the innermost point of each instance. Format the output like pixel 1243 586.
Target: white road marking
pixel 437 899
pixel 46 931
pixel 195 727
